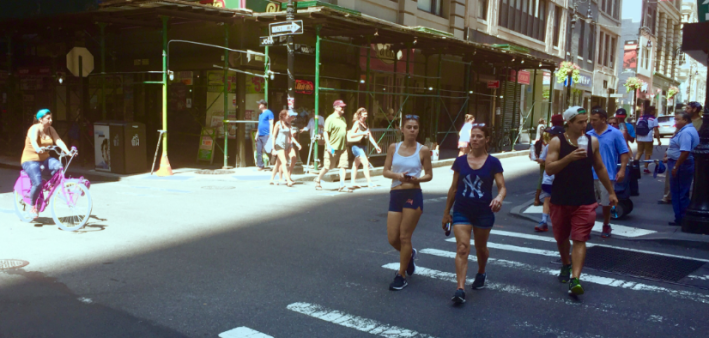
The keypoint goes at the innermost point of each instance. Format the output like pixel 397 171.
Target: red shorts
pixel 575 222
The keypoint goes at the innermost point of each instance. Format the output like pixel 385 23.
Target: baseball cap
pixel 555 130
pixel 621 112
pixel 262 101
pixel 338 103
pixel 557 120
pixel 695 105
pixel 659 169
pixel 572 112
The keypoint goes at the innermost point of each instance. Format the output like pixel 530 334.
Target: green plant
pixel 567 68
pixel 672 92
pixel 633 83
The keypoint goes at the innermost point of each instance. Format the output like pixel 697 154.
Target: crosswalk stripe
pixel 605 281
pixel 619 230
pixel 520 291
pixel 515 248
pixel 243 332
pixel 355 322
pixel 552 240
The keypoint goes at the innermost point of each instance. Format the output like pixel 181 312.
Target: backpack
pixel 642 127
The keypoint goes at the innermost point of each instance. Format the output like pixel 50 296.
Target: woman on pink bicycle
pixel 40 135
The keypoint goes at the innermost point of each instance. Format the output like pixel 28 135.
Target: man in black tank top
pixel 573 199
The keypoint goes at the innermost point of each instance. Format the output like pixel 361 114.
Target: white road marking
pixel 605 281
pixel 451 277
pixel 705 277
pixel 515 248
pixel 355 322
pixel 552 240
pixel 85 300
pixel 620 230
pixel 534 209
pixel 544 331
pixel 434 200
pixel 243 332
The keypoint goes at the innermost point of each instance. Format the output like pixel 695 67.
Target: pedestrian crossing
pixel 436 263
pixel 618 230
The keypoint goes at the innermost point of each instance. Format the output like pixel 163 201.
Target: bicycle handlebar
pixel 59 151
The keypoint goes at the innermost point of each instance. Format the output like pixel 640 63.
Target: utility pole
pixel 290 16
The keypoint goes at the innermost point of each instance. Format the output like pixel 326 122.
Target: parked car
pixel 666 125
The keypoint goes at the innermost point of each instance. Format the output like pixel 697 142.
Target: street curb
pixel 88 175
pixel 675 237
pixel 334 175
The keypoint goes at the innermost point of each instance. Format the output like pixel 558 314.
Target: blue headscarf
pixel 41 113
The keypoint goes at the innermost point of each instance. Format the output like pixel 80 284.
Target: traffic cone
pixel 165 168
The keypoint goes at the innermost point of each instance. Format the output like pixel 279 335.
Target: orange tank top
pixel 29 154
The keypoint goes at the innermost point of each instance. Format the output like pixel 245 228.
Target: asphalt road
pixel 203 256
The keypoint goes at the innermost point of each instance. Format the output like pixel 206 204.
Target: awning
pixel 695 42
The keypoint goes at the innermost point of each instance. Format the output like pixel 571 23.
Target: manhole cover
pixel 12 263
pixel 217 187
pixel 214 172
pixel 640 264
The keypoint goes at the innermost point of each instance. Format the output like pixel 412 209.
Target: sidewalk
pixel 238 174
pixel 647 221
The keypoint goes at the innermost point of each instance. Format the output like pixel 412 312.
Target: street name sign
pixel 286 28
pixel 702 10
pixel 271 41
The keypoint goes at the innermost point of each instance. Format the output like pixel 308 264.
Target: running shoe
pixel 541 227
pixel 479 282
pixel 575 287
pixel 459 297
pixel 412 265
pixel 606 233
pixel 646 171
pixel 398 283
pixel 565 274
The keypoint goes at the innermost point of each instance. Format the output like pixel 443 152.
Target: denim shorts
pixel 358 151
pixel 475 219
pixel 405 198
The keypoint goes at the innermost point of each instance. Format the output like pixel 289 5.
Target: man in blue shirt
pixel 614 150
pixel 265 128
pixel 680 164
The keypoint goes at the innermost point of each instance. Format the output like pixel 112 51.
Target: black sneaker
pixel 479 282
pixel 412 265
pixel 459 297
pixel 565 274
pixel 398 283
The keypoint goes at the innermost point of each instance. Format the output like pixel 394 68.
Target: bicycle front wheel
pixel 71 206
pixel 22 209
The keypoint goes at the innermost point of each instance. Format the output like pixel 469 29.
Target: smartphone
pixel 408 177
pixel 448 229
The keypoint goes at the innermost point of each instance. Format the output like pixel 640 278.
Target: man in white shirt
pixel 311 128
pixel 646 128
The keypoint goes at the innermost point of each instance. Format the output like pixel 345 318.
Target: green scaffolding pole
pixel 102 26
pixel 438 101
pixel 317 93
pixel 267 65
pixel 366 80
pixel 226 96
pixel 164 85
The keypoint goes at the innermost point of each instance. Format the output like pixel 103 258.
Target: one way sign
pixel 286 28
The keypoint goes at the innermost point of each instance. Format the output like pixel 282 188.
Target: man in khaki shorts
pixel 335 135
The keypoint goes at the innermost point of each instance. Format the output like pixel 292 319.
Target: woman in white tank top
pixel 404 164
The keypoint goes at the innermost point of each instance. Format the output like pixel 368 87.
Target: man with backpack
pixel 645 129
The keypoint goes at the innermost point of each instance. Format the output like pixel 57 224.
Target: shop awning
pixel 336 22
pixel 695 42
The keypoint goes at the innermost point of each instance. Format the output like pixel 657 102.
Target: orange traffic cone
pixel 165 168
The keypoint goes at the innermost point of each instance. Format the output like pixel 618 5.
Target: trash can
pixel 120 147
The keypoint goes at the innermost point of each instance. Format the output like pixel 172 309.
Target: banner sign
pixel 630 55
pixel 304 87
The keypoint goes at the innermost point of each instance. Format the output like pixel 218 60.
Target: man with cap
pixel 572 158
pixel 335 135
pixel 265 128
pixel 695 110
pixel 612 146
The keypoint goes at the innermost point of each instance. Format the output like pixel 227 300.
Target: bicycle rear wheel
pixel 71 206
pixel 22 209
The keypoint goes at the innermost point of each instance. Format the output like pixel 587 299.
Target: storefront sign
pixel 585 81
pixel 493 84
pixel 522 78
pixel 205 151
pixel 304 87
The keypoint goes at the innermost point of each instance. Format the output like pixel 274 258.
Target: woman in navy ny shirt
pixel 475 208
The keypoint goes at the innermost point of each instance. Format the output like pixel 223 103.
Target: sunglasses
pixel 478 124
pixel 412 117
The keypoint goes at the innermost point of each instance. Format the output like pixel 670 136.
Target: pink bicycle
pixel 68 198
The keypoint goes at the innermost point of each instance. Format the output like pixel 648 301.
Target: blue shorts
pixel 405 198
pixel 478 221
pixel 358 151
